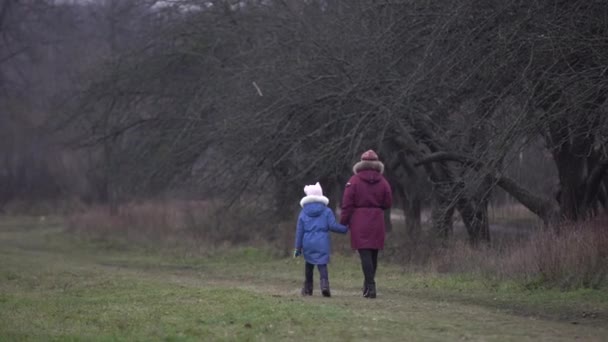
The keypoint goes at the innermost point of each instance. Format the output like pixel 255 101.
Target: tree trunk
pixel 602 195
pixel 475 218
pixel 571 170
pixel 442 213
pixel 286 203
pixel 388 224
pixel 413 222
pixel 332 189
pixel 110 172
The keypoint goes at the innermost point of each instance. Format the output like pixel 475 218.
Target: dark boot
pixel 307 289
pixel 325 288
pixel 370 291
pixel 364 288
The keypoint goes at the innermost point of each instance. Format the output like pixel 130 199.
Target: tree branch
pixel 438 157
pixel 542 207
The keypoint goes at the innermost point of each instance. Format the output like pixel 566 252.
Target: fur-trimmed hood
pixel 313 199
pixel 314 205
pixel 368 165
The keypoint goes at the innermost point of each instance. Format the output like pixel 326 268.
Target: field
pixel 54 286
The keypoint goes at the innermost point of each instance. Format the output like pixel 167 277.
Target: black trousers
pixel 308 272
pixel 369 263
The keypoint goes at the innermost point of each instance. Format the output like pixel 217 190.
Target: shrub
pixel 195 223
pixel 573 256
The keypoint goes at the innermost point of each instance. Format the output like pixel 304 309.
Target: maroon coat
pixel 366 196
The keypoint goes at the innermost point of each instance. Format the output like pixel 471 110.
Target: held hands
pixel 297 252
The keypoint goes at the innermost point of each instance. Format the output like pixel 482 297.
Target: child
pixel 312 236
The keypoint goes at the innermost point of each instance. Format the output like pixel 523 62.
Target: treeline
pixel 462 99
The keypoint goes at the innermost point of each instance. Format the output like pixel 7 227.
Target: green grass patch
pixel 54 286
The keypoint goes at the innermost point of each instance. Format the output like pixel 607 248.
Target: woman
pixel 366 196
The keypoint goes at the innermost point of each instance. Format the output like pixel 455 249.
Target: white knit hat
pixel 313 190
pixel 314 193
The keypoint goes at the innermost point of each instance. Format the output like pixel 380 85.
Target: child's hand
pixel 297 252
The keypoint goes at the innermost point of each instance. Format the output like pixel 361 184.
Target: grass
pixel 520 251
pixel 54 286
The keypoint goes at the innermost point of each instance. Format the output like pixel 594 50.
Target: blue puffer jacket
pixel 312 233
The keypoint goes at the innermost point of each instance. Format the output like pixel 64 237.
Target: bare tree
pixel 285 92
